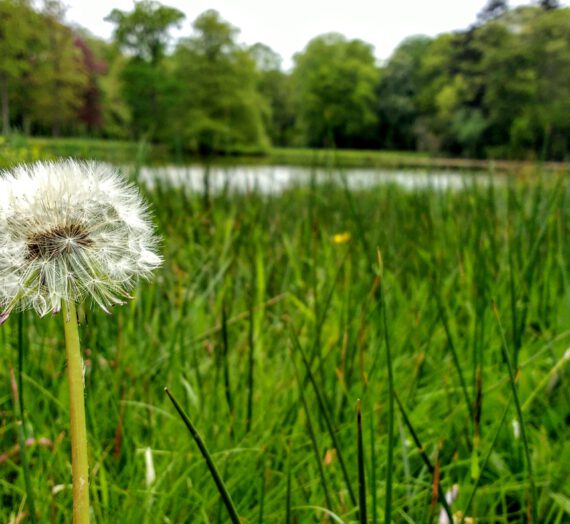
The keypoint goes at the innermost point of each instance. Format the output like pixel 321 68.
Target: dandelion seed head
pixel 68 231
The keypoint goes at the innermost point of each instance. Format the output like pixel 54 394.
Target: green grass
pixel 393 160
pixel 16 148
pixel 267 332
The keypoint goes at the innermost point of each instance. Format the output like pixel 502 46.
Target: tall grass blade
pixel 389 367
pixel 226 366
pixel 262 489
pixel 361 472
pixel 360 228
pixel 326 416
pixel 288 497
pixel 19 399
pixel 455 358
pixel 22 450
pixel 423 455
pixel 224 494
pixel 485 462
pixel 373 469
pixel 313 437
pixel 250 367
pixel 512 381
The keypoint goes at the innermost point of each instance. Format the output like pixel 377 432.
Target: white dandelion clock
pixel 71 231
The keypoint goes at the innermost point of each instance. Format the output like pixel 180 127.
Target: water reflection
pixel 275 179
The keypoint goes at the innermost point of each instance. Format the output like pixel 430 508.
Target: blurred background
pixel 459 79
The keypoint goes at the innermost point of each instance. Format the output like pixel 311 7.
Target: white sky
pixel 287 26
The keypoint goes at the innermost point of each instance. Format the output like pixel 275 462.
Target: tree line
pixel 500 88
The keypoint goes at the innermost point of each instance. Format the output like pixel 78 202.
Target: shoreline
pixel 19 149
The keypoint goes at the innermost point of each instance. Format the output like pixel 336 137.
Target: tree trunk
pixel 56 118
pixel 27 125
pixel 5 104
pixel 56 104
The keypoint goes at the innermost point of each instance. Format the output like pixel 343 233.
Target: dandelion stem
pixel 79 464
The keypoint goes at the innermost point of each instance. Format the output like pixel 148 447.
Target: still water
pixel 276 179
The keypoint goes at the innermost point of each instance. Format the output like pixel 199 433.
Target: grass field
pixel 16 149
pixel 28 149
pixel 271 317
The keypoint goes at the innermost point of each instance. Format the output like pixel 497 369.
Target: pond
pixel 276 179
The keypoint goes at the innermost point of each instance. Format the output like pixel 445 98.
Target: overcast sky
pixel 287 26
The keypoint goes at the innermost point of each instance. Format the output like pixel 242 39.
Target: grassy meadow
pixel 272 316
pixel 18 148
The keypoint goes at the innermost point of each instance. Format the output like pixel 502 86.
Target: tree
pixel 218 106
pixel 276 88
pixel 51 86
pixel 117 115
pixel 549 5
pixel 144 32
pixel 397 92
pixel 335 81
pixel 450 95
pixel 265 58
pixel 15 35
pixel 547 115
pixel 91 112
pixel 493 9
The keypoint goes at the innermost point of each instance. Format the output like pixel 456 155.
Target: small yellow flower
pixel 341 238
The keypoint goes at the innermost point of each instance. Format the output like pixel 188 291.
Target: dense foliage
pixel 496 89
pixel 250 278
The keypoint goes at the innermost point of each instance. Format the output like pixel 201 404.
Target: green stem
pixel 79 464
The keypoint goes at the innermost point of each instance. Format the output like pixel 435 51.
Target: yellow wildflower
pixel 341 238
